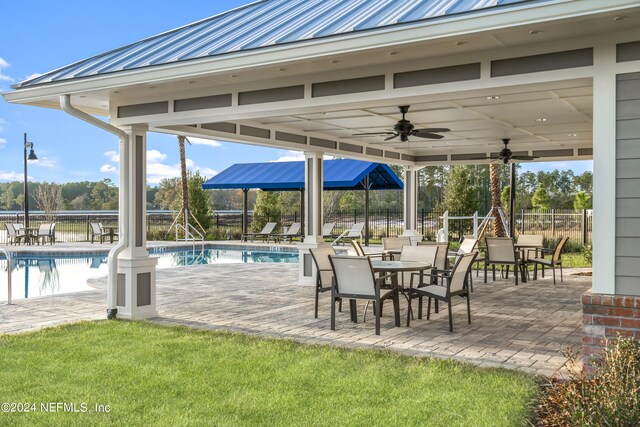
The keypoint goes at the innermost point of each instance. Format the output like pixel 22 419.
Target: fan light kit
pixel 506 154
pixel 404 129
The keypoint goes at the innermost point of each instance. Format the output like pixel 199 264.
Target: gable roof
pixel 262 24
pixel 342 174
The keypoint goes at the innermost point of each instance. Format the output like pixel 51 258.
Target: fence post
pixel 88 227
pixel 217 221
pixel 553 223
pixel 355 216
pixel 522 221
pixel 584 226
pixel 422 221
pixel 387 228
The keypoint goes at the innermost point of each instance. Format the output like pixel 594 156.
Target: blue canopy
pixel 342 174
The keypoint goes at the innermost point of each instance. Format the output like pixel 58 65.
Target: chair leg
pixel 396 307
pixel 468 308
pixel 470 280
pixel 494 272
pixel 333 310
pixel 437 310
pixel 353 310
pixel 316 309
pixel 340 305
pixel 420 300
pixel 485 272
pixel 409 311
pixel 450 315
pixel 561 279
pixel 428 308
pixel 553 267
pixel 515 273
pixel 377 320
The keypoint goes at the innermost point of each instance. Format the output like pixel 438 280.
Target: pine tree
pixel 541 199
pixel 582 201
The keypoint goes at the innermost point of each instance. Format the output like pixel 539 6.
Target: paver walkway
pixel 524 327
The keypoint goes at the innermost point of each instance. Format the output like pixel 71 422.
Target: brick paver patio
pixel 524 327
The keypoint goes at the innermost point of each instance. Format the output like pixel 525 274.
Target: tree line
pixel 459 188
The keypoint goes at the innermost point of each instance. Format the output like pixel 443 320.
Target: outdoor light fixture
pixel 31 156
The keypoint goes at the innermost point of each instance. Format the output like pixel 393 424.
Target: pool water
pixel 42 275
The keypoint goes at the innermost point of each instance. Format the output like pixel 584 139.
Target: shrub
pixel 611 397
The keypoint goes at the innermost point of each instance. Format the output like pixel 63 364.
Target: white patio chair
pixel 456 284
pixel 97 231
pixel 45 232
pixel 556 260
pixel 15 234
pixel 354 279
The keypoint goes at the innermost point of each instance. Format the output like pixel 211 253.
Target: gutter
pixel 123 219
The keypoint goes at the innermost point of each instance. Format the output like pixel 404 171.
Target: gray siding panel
pixel 628 227
pixel 628 247
pixel 544 62
pixel 628 149
pixel 628 208
pixel 342 87
pixel 628 178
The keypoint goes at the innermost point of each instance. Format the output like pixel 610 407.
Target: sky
pixel 50 35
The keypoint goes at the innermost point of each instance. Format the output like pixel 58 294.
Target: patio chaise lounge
pixel 290 233
pixel 265 234
pixel 327 230
pixel 354 233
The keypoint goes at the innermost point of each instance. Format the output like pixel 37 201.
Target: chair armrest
pixel 386 276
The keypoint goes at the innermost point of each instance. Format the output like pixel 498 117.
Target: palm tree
pixel 185 184
pixel 494 176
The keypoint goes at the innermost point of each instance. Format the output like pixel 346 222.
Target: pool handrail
pixel 7 255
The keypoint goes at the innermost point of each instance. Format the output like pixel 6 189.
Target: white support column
pixel 604 170
pixel 136 294
pixel 313 206
pixel 411 203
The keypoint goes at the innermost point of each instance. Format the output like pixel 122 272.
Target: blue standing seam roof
pixel 343 174
pixel 262 24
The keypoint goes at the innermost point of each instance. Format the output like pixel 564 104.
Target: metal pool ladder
pixel 7 255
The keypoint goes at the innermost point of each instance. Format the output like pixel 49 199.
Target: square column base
pixel 604 318
pixel 136 293
pixel 307 270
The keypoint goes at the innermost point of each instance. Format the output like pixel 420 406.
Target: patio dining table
pixel 398 267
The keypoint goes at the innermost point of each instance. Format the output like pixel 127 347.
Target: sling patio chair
pixel 15 234
pixel 556 260
pixel 324 273
pixel 290 233
pixel 97 231
pixel 501 251
pixel 354 233
pixel 392 246
pixel 265 234
pixel 46 232
pixel 355 279
pixel 456 285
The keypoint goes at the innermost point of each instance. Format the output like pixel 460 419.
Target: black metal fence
pixel 577 225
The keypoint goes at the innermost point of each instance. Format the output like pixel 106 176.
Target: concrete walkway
pixel 524 327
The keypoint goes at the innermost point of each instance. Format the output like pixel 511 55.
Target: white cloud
pixel 2 122
pixel 11 176
pixel 44 162
pixel 208 172
pixel 203 141
pixel 3 141
pixel 290 156
pixel 3 63
pixel 154 156
pixel 113 156
pixel 108 169
pixel 4 77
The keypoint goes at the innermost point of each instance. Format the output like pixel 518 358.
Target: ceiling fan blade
pixel 373 133
pixel 428 135
pixel 394 136
pixel 523 157
pixel 431 130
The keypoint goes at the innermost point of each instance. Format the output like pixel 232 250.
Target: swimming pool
pixel 45 274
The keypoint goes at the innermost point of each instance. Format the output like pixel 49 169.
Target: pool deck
pixel 523 327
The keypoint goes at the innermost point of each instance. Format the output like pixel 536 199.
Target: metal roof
pixel 262 24
pixel 342 174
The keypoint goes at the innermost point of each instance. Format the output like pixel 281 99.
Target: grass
pixel 157 375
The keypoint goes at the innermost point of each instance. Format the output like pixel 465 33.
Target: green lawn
pixel 156 375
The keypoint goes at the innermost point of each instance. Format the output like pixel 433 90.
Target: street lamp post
pixel 31 156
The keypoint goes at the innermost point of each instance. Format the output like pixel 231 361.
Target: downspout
pixel 112 282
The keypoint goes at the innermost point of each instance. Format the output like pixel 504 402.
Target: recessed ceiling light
pixel 462 43
pixel 573 135
pixel 493 97
pixel 393 53
pixel 233 76
pixel 282 69
pixel 192 82
pixel 620 18
pixel 541 119
pixel 116 91
pixel 535 32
